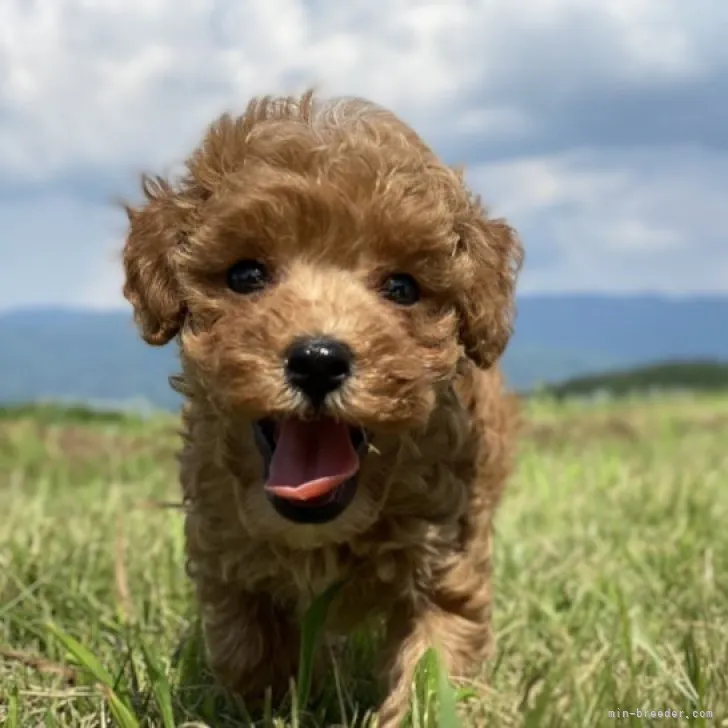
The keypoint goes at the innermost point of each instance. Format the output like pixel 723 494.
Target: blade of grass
pixel 160 687
pixel 434 700
pixel 119 709
pixel 12 720
pixel 311 628
pixel 447 716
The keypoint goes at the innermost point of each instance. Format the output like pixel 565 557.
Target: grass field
pixel 611 578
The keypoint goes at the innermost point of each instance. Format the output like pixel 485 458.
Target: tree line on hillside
pixel 696 376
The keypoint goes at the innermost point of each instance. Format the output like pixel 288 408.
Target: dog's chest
pixel 370 578
pixel 301 577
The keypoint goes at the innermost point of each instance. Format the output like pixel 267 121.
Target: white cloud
pixel 649 220
pixel 134 82
pixel 578 109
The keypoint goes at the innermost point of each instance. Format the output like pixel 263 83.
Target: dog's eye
pixel 247 276
pixel 401 288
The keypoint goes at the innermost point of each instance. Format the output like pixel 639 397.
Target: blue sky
pixel 599 128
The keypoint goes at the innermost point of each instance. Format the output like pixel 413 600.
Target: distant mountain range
pixel 90 356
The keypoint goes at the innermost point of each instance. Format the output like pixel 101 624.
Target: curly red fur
pixel 332 197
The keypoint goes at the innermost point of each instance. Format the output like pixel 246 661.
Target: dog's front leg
pixel 459 630
pixel 252 643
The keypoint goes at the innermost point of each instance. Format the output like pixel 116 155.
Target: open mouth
pixel 311 466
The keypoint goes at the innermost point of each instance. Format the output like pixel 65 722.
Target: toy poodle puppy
pixel 340 300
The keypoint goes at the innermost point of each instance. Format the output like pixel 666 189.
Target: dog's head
pixel 325 274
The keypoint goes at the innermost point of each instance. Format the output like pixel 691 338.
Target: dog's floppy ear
pixel 155 229
pixel 490 256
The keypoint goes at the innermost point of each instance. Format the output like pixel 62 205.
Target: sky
pixel 599 128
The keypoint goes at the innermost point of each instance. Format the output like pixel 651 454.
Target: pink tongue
pixel 311 459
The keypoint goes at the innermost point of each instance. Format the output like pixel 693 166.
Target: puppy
pixel 340 300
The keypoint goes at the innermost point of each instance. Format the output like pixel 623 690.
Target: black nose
pixel 317 366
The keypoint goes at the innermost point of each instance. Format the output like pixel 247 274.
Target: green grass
pixel 611 580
